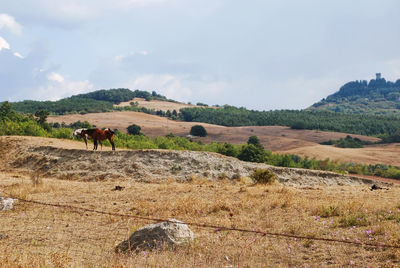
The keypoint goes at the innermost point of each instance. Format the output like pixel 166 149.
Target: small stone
pixel 6 203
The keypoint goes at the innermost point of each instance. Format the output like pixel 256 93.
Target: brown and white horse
pixel 98 135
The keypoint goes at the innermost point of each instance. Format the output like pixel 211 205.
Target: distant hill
pixel 377 97
pixel 93 102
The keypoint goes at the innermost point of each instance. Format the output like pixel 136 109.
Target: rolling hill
pixel 276 138
pixel 376 97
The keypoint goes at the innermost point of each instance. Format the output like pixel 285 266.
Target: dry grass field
pixel 276 138
pixel 67 235
pixel 34 235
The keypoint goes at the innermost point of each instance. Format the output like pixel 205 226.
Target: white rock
pixel 6 203
pixel 171 232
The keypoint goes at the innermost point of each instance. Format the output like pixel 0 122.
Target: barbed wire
pixel 216 228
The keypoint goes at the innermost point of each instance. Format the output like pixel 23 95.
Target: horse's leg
pixel 94 145
pixel 112 144
pixel 85 139
pixel 101 145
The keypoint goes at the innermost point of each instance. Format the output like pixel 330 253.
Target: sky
pixel 258 54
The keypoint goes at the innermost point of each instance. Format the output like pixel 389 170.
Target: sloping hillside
pixel 60 159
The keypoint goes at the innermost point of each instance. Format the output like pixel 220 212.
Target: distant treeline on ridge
pixel 93 102
pixel 296 119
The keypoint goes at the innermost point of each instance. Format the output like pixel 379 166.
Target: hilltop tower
pixel 378 76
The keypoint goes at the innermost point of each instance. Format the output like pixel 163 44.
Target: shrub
pixel 255 141
pixel 354 220
pixel 227 149
pixel 263 176
pixel 251 153
pixel 298 125
pixel 61 133
pixel 198 130
pixel 134 129
pixel 327 212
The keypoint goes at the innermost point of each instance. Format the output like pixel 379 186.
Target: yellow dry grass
pixel 33 235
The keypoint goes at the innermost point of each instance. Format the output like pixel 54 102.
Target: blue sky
pixel 280 54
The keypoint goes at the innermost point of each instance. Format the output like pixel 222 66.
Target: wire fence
pixel 213 227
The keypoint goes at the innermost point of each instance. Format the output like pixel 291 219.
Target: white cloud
pixel 59 87
pixel 130 55
pixel 16 54
pixel 8 22
pixel 165 84
pixel 4 44
pixel 76 9
pixel 56 77
pixel 181 87
pixel 32 78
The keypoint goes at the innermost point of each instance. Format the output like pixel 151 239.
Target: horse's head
pixel 109 130
pixel 78 132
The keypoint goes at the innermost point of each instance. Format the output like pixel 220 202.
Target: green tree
pixel 134 129
pixel 251 153
pixel 198 130
pixel 41 116
pixel 5 110
pixel 227 149
pixel 255 141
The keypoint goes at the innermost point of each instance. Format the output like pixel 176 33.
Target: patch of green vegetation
pixel 329 211
pixel 348 142
pixel 350 220
pixel 387 216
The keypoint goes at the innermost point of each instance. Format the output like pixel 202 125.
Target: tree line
pixel 296 119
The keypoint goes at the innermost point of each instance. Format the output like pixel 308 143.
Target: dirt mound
pixel 61 159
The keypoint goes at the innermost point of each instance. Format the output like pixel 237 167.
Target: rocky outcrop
pixel 159 235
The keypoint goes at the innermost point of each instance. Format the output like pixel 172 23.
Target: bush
pixel 263 176
pixel 350 220
pixel 255 141
pixel 251 153
pixel 227 149
pixel 198 130
pixel 61 133
pixel 134 129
